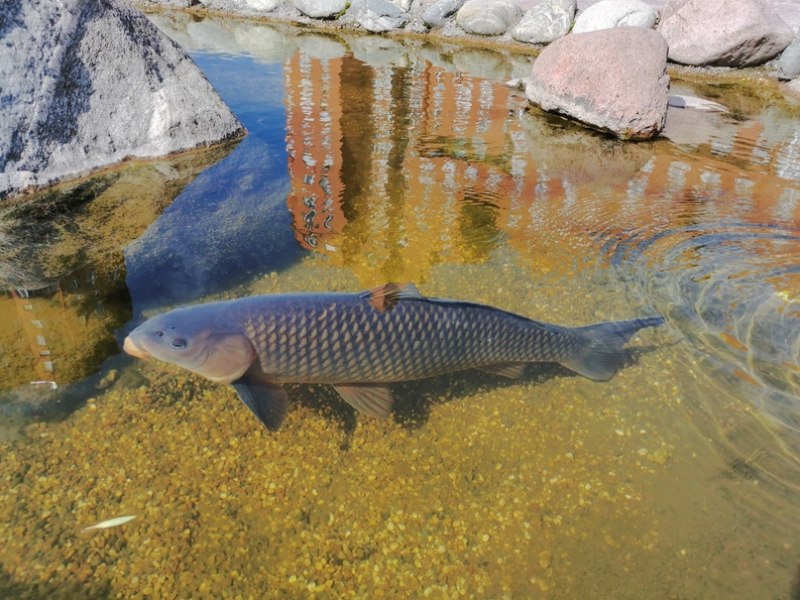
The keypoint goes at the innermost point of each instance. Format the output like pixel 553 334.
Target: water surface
pixel 370 161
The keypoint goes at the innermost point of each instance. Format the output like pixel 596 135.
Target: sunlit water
pixel 366 162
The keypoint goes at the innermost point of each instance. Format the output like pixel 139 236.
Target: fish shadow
pixel 414 400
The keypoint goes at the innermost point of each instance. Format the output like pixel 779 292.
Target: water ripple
pixel 733 290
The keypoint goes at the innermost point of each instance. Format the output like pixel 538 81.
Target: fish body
pixel 361 342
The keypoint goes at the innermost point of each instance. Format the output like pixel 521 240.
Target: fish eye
pixel 178 343
pixel 160 333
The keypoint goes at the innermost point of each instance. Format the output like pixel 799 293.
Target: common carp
pixel 360 343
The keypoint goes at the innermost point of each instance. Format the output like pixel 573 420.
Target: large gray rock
pixel 320 9
pixel 436 14
pixel 378 16
pixel 794 87
pixel 545 22
pixel 615 13
pixel 488 17
pixel 714 32
pixel 88 84
pixel 789 62
pixel 595 78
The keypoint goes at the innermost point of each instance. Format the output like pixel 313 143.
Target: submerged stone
pixel 88 84
pixel 594 78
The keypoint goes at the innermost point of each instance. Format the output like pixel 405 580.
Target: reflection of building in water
pixel 61 333
pixel 61 251
pixel 412 160
pixel 423 165
pixel 744 179
pixel 313 142
pixel 32 324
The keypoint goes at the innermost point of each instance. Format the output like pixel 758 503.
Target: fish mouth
pixel 133 349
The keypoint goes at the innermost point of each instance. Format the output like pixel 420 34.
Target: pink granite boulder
pixel 723 33
pixel 597 79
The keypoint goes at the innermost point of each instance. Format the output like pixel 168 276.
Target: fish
pixel 361 342
pixel 116 522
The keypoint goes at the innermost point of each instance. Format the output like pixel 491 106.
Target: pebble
pixel 545 557
pixel 108 380
pixel 475 484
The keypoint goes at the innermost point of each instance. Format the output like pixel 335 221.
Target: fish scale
pixel 415 339
pixel 361 342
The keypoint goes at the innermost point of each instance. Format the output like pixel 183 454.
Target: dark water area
pixel 369 161
pixel 230 224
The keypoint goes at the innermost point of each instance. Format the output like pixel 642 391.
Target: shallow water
pixel 369 161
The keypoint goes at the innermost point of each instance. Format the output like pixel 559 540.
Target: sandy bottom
pixel 554 486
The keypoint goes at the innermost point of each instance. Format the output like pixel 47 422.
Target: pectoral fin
pixel 371 399
pixel 268 402
pixel 510 370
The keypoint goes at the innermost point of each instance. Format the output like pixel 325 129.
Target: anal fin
pixel 510 370
pixel 372 399
pixel 268 402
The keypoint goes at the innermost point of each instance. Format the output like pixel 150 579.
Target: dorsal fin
pixel 384 298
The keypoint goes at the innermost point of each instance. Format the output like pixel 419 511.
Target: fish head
pixel 193 341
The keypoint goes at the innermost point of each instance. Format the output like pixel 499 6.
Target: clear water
pixel 369 161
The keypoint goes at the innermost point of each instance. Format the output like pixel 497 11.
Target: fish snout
pixel 133 349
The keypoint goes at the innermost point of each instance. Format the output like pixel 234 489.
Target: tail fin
pixel 604 355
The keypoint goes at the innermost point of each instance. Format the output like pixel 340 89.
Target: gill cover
pixel 198 344
pixel 229 357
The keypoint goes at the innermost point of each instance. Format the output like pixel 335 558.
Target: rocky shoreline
pixel 609 65
pixel 763 29
pixel 607 87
